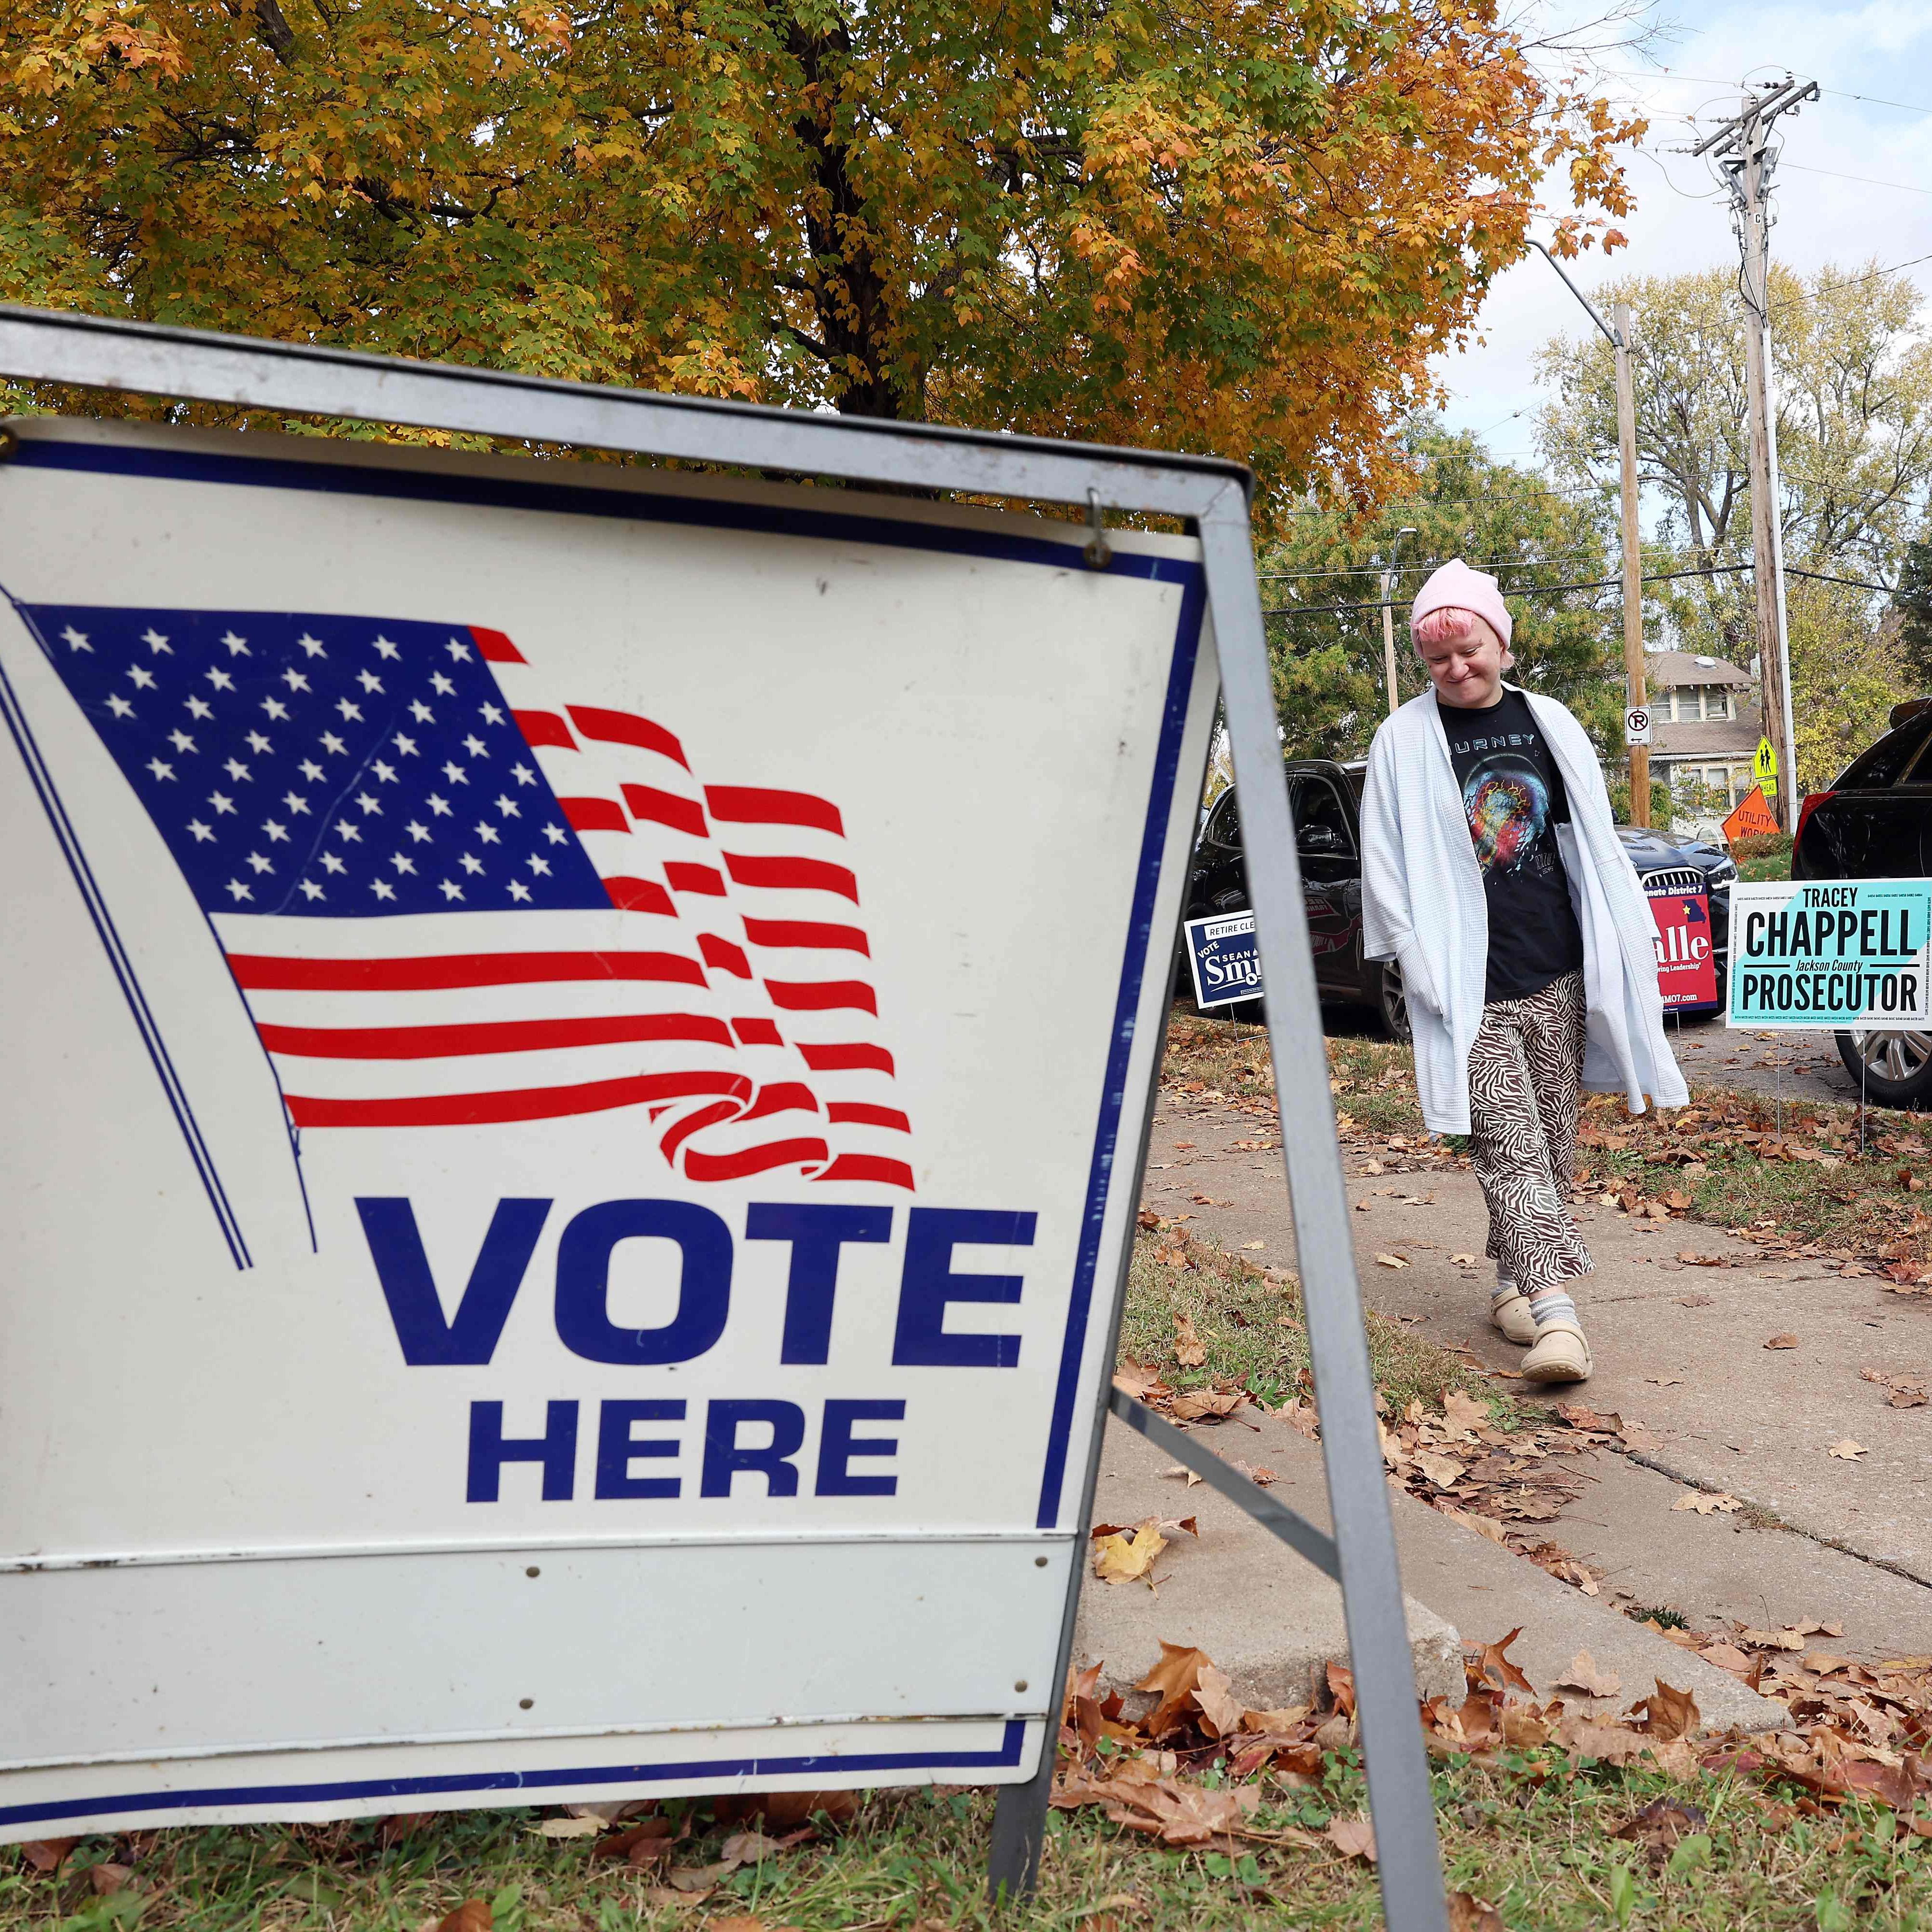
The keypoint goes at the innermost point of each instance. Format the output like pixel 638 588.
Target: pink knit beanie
pixel 1456 586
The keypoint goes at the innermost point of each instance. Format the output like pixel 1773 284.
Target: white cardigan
pixel 1423 906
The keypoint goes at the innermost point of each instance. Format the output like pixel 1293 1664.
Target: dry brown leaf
pixel 1391 1261
pixel 1124 1557
pixel 1462 1261
pixel 1782 1342
pixel 1220 1710
pixel 1668 1712
pixel 472 1916
pixel 1190 1351
pixel 1182 1469
pixel 1846 1451
pixel 1469 1913
pixel 1353 1837
pixel 1727 1656
pixel 1584 1675
pixel 47 1855
pixel 661 1898
pixel 1444 1472
pixel 1705 1503
pixel 1198 1405
pixel 107 1879
pixel 570 1828
pixel 1464 1413
pixel 1173 1680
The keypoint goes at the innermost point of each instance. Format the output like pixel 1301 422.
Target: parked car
pixel 1325 799
pixel 1874 821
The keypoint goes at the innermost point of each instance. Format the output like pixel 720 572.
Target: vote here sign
pixel 1840 953
pixel 569 1143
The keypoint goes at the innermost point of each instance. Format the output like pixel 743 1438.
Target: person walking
pixel 1492 873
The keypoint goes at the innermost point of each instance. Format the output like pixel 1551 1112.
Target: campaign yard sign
pixel 1687 962
pixel 1224 959
pixel 1842 953
pixel 559 1103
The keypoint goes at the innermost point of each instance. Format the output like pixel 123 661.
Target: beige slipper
pixel 1509 1310
pixel 1561 1355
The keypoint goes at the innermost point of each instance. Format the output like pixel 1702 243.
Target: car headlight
pixel 1722 873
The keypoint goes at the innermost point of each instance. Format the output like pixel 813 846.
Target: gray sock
pixel 1552 1304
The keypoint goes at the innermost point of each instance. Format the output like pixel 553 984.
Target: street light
pixel 1388 615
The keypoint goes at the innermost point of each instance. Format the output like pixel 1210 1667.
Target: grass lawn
pixel 1533 1833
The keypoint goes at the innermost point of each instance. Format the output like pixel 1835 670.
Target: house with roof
pixel 1706 720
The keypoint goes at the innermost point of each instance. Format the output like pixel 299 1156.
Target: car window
pixel 1885 763
pixel 1318 811
pixel 1224 823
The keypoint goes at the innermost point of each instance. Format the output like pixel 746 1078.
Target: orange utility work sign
pixel 1752 817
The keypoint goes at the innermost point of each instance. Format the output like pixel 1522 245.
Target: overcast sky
pixel 1880 51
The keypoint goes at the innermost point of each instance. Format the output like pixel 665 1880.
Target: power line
pixel 1710 80
pixel 1863 181
pixel 1599 583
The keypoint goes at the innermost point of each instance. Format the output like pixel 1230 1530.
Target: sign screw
pixel 525 1703
pixel 533 1571
pixel 1021 1685
pixel 1040 1562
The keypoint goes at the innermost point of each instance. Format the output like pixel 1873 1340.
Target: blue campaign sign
pixel 1225 960
pixel 1852 953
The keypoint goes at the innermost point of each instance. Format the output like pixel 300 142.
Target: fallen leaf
pixel 570 1828
pixel 1147 1218
pixel 1249 1246
pixel 1584 1675
pixel 1464 1413
pixel 1353 1837
pixel 1782 1342
pixel 1726 1656
pixel 1190 1351
pixel 1197 1405
pixel 1444 1472
pixel 1182 1147
pixel 661 1898
pixel 472 1916
pixel 1704 1504
pixel 47 1855
pixel 1220 1710
pixel 1462 1261
pixel 1124 1559
pixel 1469 1913
pixel 1661 1824
pixel 1181 1469
pixel 1907 1397
pixel 1391 1261
pixel 1846 1451
pixel 1364 1207
pixel 749 1848
pixel 107 1879
pixel 1668 1712
pixel 1696 1301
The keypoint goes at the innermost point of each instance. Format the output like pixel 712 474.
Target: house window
pixel 1697 704
pixel 1717 704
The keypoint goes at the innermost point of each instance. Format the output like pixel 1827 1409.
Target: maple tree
pixel 1208 225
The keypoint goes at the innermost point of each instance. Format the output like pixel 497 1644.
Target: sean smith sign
pixel 1839 954
pixel 550 1254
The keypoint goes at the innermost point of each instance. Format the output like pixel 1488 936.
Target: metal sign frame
pixel 197 365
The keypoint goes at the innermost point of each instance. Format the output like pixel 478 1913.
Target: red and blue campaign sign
pixel 1687 962
pixel 534 1136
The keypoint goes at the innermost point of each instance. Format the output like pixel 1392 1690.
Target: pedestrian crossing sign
pixel 1764 766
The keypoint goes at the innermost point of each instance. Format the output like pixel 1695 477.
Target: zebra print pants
pixel 1525 1076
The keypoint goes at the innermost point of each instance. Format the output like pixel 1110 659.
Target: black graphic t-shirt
pixel 1514 795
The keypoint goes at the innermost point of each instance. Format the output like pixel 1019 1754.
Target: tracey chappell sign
pixel 552 1251
pixel 1845 953
pixel 1224 959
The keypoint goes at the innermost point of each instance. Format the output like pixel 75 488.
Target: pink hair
pixel 1449 621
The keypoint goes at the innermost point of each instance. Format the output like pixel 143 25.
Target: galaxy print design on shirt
pixel 1507 802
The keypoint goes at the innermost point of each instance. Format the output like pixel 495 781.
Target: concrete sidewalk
pixel 1270 1619
pixel 1680 1350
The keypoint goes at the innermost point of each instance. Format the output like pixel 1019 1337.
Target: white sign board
pixel 1838 953
pixel 575 1041
pixel 1636 725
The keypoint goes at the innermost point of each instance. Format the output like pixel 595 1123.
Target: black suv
pixel 1875 822
pixel 1325 799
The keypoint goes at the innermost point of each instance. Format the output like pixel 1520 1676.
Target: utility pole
pixel 1636 683
pixel 1388 618
pixel 1636 686
pixel 1743 150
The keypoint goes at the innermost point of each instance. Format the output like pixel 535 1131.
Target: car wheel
pixel 1895 1068
pixel 1392 1004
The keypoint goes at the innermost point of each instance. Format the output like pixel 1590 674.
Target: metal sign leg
pixel 1410 1866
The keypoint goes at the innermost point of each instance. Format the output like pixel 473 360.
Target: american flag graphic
pixel 451 895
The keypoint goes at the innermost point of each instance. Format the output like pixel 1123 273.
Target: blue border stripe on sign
pixel 1127 1004
pixel 1008 1752
pixel 585 500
